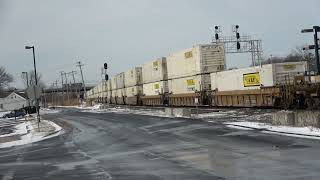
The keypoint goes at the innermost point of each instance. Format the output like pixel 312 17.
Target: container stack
pixel 109 91
pixel 257 77
pixel 114 90
pixel 120 88
pixel 189 72
pixel 133 85
pixel 155 77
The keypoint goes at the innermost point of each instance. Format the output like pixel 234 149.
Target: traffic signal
pixel 238 35
pixel 105 65
pixel 106 77
pixel 217 32
pixel 217 36
pixel 238 45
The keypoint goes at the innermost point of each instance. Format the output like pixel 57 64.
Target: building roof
pixel 4 94
pixel 22 94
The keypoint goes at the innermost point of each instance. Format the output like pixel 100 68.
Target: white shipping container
pixel 189 84
pixel 113 83
pixel 154 71
pixel 133 77
pixel 120 80
pixel 120 92
pixel 133 91
pixel 109 95
pixel 199 59
pixel 255 77
pixel 155 88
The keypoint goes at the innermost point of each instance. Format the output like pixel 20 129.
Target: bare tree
pixel 297 55
pixel 5 78
pixel 31 79
pixel 306 56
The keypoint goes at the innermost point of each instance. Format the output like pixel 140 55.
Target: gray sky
pixel 127 33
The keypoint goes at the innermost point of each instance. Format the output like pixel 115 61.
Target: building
pixel 12 101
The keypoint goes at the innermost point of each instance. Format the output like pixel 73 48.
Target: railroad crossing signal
pixel 315 30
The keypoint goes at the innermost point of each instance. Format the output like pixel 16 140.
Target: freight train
pixel 198 77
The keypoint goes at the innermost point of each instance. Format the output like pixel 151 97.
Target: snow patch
pixel 48 111
pixel 3 113
pixel 29 135
pixel 306 132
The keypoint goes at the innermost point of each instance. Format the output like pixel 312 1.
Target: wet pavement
pixel 139 147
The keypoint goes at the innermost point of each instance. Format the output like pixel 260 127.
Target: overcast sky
pixel 127 33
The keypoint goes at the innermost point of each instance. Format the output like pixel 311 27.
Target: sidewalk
pixel 28 131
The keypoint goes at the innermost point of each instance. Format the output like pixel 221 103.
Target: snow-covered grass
pixel 307 132
pixel 29 135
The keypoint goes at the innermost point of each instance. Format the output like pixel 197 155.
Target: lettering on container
pixel 251 79
pixel 156 86
pixel 188 54
pixel 191 84
pixel 155 65
pixel 289 67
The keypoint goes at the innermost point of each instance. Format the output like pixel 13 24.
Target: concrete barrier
pixel 178 112
pixel 300 118
pixel 168 111
pixel 285 118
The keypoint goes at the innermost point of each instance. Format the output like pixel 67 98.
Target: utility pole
pixel 61 73
pixel 74 83
pixel 65 75
pixel 52 93
pixel 36 80
pixel 84 86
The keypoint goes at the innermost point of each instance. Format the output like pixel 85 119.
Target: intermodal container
pixel 154 71
pixel 133 77
pixel 200 59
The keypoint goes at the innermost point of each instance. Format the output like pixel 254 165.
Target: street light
pixel 36 80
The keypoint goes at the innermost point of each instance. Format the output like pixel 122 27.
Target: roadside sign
pixel 34 92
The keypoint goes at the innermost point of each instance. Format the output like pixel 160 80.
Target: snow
pixel 238 127
pixel 3 113
pixel 48 111
pixel 123 110
pixel 29 135
pixel 306 132
pixel 19 130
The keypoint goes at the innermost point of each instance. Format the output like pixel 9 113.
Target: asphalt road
pixel 139 147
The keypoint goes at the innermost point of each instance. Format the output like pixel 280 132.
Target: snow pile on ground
pixel 2 113
pixel 219 114
pixel 307 132
pixel 124 110
pixel 28 134
pixel 48 111
pixel 19 130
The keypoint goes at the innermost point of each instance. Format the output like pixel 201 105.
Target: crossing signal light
pixel 105 65
pixel 106 77
pixel 238 35
pixel 238 45
pixel 217 36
